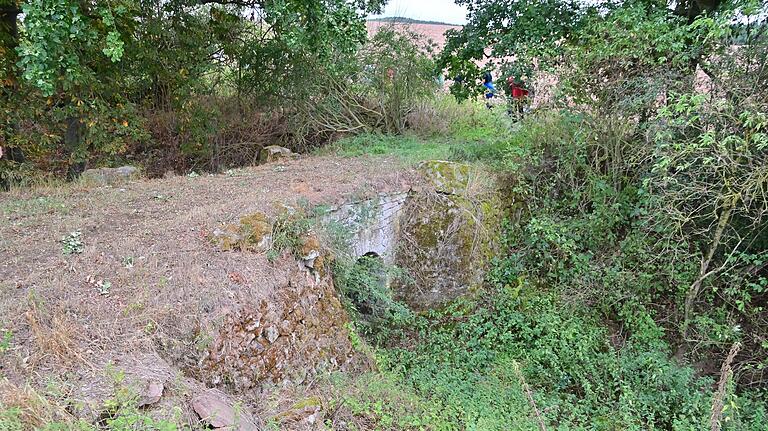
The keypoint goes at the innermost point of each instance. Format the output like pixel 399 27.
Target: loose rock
pixel 254 233
pixel 153 391
pixel 273 153
pixel 110 176
pixel 216 410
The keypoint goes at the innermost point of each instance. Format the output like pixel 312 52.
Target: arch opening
pixel 367 285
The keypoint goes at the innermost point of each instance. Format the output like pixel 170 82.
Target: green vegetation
pixel 193 86
pixel 440 130
pixel 630 290
pixel 631 294
pixel 5 342
pixel 365 284
pixel 73 243
pixel 573 304
pixel 409 148
pixel 120 413
pixel 21 208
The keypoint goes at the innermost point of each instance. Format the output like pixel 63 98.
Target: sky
pixel 428 10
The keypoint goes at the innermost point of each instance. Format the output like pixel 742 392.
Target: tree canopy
pixel 81 77
pixel 521 32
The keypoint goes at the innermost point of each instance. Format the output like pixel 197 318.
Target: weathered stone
pixel 151 393
pixel 311 253
pixel 305 412
pixel 450 234
pixel 287 346
pixel 273 153
pixel 446 177
pixel 374 224
pixel 216 410
pixel 254 233
pixel 309 258
pixel 110 176
pixel 441 234
pixel 227 238
pixel 272 333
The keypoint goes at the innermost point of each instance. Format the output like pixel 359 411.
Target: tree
pixel 521 31
pixel 9 40
pixel 89 71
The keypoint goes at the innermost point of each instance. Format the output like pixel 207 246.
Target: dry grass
pixel 34 409
pixel 430 119
pixel 170 287
pixel 54 335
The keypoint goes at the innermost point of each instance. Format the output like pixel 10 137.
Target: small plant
pixel 10 419
pixel 104 287
pixel 365 283
pixel 287 232
pixel 236 173
pixel 150 328
pixel 122 411
pixel 5 342
pixel 128 262
pixel 73 243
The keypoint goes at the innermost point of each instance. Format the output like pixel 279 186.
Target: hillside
pixel 429 30
pixel 411 21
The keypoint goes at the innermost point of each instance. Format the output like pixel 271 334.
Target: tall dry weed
pixel 33 409
pixel 55 335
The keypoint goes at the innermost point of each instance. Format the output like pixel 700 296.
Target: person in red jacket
pixel 519 95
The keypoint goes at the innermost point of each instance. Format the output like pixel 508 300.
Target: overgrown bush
pixel 377 91
pixel 647 192
pixel 607 233
pixel 609 295
pixel 365 284
pixel 181 86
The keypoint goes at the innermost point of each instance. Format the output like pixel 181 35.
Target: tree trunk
pixel 72 141
pixel 9 40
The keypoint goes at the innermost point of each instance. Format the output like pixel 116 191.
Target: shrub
pixel 365 283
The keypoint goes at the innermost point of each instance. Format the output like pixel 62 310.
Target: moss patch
pixel 254 233
pixel 447 236
pixel 446 177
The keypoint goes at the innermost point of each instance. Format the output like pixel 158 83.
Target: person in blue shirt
pixel 488 84
pixel 490 88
